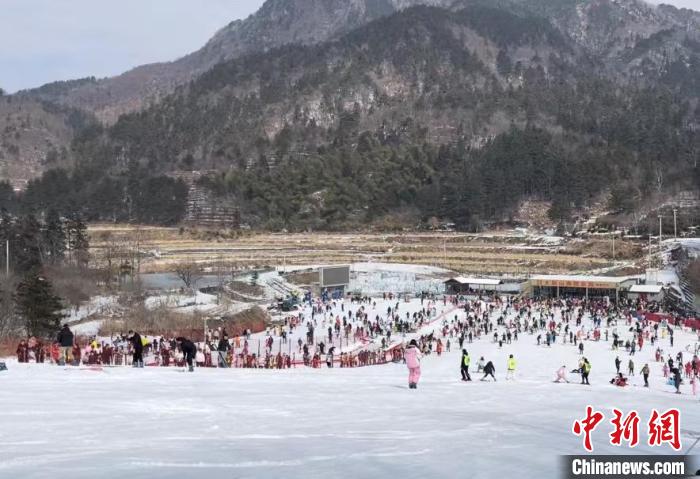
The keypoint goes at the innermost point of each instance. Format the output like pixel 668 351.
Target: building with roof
pixel 578 286
pixel 464 285
pixel 648 292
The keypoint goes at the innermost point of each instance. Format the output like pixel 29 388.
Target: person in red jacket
pixel 619 380
pixel 106 356
pixel 39 352
pixel 55 352
pixel 22 352
pixel 165 357
pixel 76 355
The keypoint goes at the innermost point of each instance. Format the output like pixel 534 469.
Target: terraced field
pixel 501 253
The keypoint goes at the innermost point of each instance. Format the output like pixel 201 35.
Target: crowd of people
pixel 562 321
pixel 362 331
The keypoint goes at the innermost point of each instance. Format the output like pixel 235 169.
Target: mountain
pixel 35 136
pixel 605 27
pixel 325 114
pixel 631 38
pixel 456 112
pixel 277 23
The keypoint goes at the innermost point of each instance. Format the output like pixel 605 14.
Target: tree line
pixel 33 250
pixel 101 194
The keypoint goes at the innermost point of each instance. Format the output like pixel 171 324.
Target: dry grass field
pixel 161 249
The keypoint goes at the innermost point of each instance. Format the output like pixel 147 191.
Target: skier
pixel 645 373
pixel 677 378
pixel 561 375
pixel 510 374
pixel 329 356
pixel 617 363
pixel 135 340
pixel 630 368
pixel 489 370
pixel 23 352
pixel 188 350
pixel 480 365
pixel 466 360
pixel 222 349
pixel 619 380
pixel 580 347
pixel 412 356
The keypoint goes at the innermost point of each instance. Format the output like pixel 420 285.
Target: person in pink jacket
pixel 412 356
pixel 561 375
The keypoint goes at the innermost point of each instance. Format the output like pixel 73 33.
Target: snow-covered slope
pixel 331 423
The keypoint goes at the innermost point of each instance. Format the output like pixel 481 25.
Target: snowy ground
pixel 301 423
pixel 377 278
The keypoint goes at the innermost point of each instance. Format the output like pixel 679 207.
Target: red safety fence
pixel 212 360
pixel 353 350
pixel 692 323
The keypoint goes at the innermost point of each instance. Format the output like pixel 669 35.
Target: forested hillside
pixel 457 114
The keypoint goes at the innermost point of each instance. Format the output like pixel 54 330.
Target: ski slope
pixel 303 423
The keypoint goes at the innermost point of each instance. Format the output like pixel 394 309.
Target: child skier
pixel 489 369
pixel 412 357
pixel 645 373
pixel 510 374
pixel 561 375
pixel 619 380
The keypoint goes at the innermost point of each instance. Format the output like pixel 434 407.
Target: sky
pixel 692 4
pixel 48 40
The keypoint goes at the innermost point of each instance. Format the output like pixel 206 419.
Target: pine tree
pixel 25 246
pixel 78 244
pixel 53 238
pixel 8 198
pixel 37 305
pixel 6 234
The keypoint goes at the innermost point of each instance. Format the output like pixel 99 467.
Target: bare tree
pixel 659 179
pixel 134 245
pixel 10 323
pixel 190 273
pixel 220 269
pixel 692 274
pixel 113 257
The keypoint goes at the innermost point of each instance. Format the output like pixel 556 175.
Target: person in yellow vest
pixel 511 368
pixel 466 360
pixel 585 371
